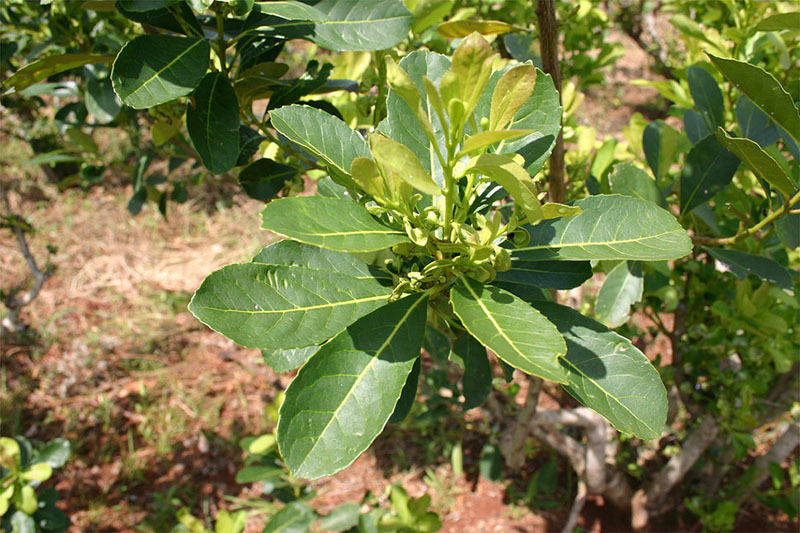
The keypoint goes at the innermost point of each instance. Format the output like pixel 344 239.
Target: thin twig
pixel 577 507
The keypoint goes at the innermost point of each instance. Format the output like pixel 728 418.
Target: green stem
pixel 752 230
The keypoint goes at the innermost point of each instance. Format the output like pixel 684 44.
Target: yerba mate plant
pixel 435 218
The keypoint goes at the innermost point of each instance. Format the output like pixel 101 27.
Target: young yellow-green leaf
pixel 469 72
pixel 455 29
pixel 429 12
pixel 781 21
pixel 397 157
pixel 764 91
pixel 25 500
pixel 621 289
pixel 330 223
pixel 366 175
pixel 277 306
pixel 153 69
pixel 504 170
pixel 481 140
pixel 213 123
pixel 477 381
pixel 513 89
pixel 610 227
pixel 759 161
pixel 343 397
pixel 609 375
pixel 517 333
pixel 322 134
pixel 46 67
pixel 37 472
pixel 555 210
pixel 708 168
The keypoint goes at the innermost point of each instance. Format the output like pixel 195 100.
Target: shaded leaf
pixel 513 330
pixel 454 29
pixel 341 518
pixel 295 517
pixel 609 375
pixel 610 227
pixel 477 380
pixel 277 306
pixel 343 397
pixel 661 143
pixel 629 180
pixel 755 125
pixel 708 168
pixel 153 69
pixel 101 101
pixel 621 289
pixel 741 264
pixel 264 179
pixel 213 123
pixel 707 95
pixel 696 127
pixel 407 396
pixel 545 274
pixel 330 223
pixel 758 161
pixel 46 67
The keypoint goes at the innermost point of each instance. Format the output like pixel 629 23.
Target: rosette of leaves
pixel 436 218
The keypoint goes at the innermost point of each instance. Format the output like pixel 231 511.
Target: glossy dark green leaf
pixel 408 395
pixel 146 5
pixel 708 168
pixel 341 518
pixel 55 453
pixel 621 289
pixel 329 223
pixel 490 465
pixel 185 23
pixel 101 101
pixel 788 229
pixel 291 10
pixel 764 91
pixel 477 380
pixel 251 474
pixel 610 227
pixel 264 179
pixel 707 95
pixel 277 306
pixel 46 67
pixel 755 125
pixel 295 517
pixel 696 128
pixel 661 143
pixel 153 69
pixel 282 361
pixel 545 274
pixel 436 343
pixel 322 134
pixel 609 375
pixel 741 264
pixel 512 329
pixel 343 397
pixel 48 516
pixel 629 180
pixel 361 24
pixel 213 123
pixel 758 161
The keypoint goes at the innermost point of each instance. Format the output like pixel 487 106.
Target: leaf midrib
pixel 294 309
pixel 157 73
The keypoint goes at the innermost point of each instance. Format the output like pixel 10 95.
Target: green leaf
pixel 481 140
pixel 513 330
pixel 293 253
pixel 781 21
pixel 490 465
pixel 696 128
pixel 741 264
pixel 213 123
pixel 153 69
pixel 46 67
pixel 251 474
pixel 264 179
pixel 706 95
pixel 755 125
pixel 179 19
pixel 341 518
pixel 101 101
pixel 621 289
pixel 470 69
pixel 661 143
pixel 407 395
pixel 291 10
pixel 455 29
pixel 629 180
pixel 361 24
pixel 342 398
pixel 277 306
pixel 758 161
pixel 513 178
pixel 55 453
pixel 513 89
pixel 322 134
pixel 331 223
pixel 545 274
pixel 22 522
pixel 609 375
pixel 146 5
pixel 282 361
pixel 610 227
pixel 477 381
pixel 295 517
pixel 764 91
pixel 429 12
pixel 401 160
pixel 708 168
